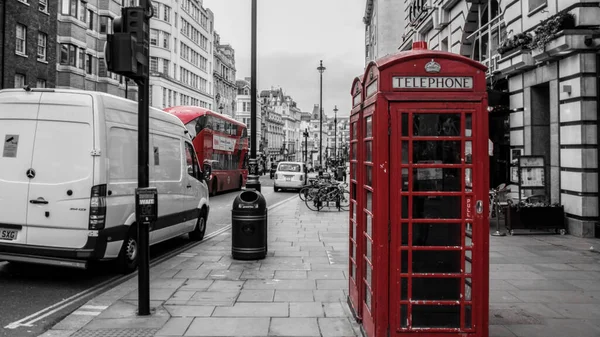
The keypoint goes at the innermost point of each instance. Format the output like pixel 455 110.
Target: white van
pixel 68 174
pixel 290 175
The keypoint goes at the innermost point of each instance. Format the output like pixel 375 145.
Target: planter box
pixel 514 61
pixel 543 218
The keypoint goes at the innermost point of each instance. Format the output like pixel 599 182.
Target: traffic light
pixel 126 50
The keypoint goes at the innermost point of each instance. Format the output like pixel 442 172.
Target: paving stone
pixel 294 296
pixel 222 274
pixel 329 295
pixel 331 284
pixel 257 274
pixel 500 331
pixel 280 284
pixel 327 275
pixel 556 327
pixel 290 274
pixel 555 296
pixel 230 326
pixel 306 309
pixel 225 285
pixel 515 275
pixel 190 310
pixel 166 283
pixel 591 285
pixel 249 295
pixel 196 284
pixel 183 295
pixel 253 310
pixel 192 265
pixel 192 274
pixel 334 327
pixel 155 294
pixel 216 298
pixel 215 265
pixel 542 285
pixel 334 309
pixel 58 333
pixel 577 311
pixel 537 310
pixel 175 327
pixel 294 327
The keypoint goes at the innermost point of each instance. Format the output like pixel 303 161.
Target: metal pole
pixel 144 177
pixel 321 69
pixel 253 182
pixel 335 110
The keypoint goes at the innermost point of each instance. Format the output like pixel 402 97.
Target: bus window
pixel 192 128
pixel 201 123
pixel 244 133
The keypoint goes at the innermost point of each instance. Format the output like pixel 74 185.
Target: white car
pixel 290 175
pixel 69 173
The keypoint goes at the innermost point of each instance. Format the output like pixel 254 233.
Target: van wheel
pixel 198 233
pixel 128 256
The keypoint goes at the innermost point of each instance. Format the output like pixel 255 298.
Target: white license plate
pixel 288 179
pixel 8 234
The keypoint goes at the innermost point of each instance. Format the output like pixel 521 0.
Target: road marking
pixel 29 320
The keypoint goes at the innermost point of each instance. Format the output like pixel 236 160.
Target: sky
pixel 292 36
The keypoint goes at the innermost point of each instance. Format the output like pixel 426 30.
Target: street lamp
pixel 253 182
pixel 305 134
pixel 321 69
pixel 221 108
pixel 335 110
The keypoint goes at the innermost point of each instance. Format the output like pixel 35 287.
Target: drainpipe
pixel 597 226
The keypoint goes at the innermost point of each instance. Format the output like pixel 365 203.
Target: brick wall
pixel 35 21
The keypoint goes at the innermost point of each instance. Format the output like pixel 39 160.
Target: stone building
pixel 28 43
pixel 224 77
pixel 542 59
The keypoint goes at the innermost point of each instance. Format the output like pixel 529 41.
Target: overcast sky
pixel 293 35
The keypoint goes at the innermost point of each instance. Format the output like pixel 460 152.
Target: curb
pixel 85 313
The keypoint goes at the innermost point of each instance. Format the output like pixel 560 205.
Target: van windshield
pixel 289 168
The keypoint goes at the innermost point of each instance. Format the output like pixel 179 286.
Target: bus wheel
pixel 128 256
pixel 214 188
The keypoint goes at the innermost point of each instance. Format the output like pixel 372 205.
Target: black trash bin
pixel 249 226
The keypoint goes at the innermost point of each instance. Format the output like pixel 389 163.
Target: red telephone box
pixel 419 188
pixel 355 229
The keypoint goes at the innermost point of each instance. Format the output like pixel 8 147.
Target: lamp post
pixel 305 134
pixel 335 110
pixel 253 182
pixel 221 109
pixel 321 69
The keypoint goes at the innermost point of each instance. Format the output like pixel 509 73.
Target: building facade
pixel 318 153
pixel 28 42
pixel 181 54
pixel 243 107
pixel 274 127
pixel 81 37
pixel 224 77
pixel 542 59
pixel 286 107
pixel 383 27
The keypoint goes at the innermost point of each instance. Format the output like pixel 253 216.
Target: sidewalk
pixel 300 289
pixel 541 285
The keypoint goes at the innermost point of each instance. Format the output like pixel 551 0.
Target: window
pixel 154 37
pixel 81 59
pixel 73 8
pixel 165 66
pixel 167 13
pixel 535 4
pixel 68 55
pixel 40 83
pixel 82 11
pixel 153 64
pixel 166 38
pixel 19 80
pixel 43 6
pixel 192 162
pixel 89 64
pixel 21 39
pixel 90 19
pixel 105 25
pixel 41 51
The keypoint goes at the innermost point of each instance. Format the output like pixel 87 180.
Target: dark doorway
pixel 499 133
pixel 540 129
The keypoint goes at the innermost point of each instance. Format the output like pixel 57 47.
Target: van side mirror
pixel 207 169
pixel 190 170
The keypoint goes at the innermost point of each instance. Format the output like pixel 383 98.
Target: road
pixel 29 289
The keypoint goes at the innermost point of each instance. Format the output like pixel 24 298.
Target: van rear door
pixel 18 120
pixel 59 193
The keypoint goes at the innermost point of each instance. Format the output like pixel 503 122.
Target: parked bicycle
pixel 326 194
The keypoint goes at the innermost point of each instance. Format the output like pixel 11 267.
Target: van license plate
pixel 288 178
pixel 8 234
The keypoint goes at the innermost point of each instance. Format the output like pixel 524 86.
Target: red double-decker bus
pixel 220 141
